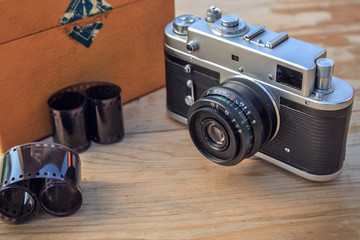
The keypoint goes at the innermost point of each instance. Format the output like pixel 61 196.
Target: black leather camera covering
pixel 316 138
pixel 176 88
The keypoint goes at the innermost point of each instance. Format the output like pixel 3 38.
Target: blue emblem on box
pixel 85 34
pixel 79 9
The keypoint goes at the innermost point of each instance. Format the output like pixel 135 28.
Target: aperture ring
pixel 236 116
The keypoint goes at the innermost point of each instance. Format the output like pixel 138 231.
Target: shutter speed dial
pixel 230 26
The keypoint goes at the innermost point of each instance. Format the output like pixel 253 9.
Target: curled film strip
pixel 39 174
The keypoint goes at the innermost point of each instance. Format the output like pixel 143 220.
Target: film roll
pixel 68 115
pixel 105 113
pixel 91 110
pixel 39 174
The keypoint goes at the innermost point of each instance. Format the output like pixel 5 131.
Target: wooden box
pixel 39 55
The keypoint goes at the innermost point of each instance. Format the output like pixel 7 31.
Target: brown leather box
pixel 38 56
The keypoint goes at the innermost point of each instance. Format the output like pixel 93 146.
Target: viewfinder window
pixel 289 77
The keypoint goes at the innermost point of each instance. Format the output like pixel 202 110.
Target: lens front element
pixel 214 134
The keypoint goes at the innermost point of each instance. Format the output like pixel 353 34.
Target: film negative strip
pixel 85 111
pixel 39 174
pixel 106 122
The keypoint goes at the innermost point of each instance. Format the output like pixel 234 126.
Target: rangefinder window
pixel 289 77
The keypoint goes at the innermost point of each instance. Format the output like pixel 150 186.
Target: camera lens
pixel 230 122
pixel 215 134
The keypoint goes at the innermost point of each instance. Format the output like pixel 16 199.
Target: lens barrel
pixel 230 122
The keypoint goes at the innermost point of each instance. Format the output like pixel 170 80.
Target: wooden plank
pixel 152 118
pixel 157 186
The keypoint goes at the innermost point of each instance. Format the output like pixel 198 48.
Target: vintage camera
pixel 243 90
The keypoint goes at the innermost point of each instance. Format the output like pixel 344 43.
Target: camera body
pixel 245 90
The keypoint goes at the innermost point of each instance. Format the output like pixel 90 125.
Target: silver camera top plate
pixel 257 55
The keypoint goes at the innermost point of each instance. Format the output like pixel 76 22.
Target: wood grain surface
pixel 156 185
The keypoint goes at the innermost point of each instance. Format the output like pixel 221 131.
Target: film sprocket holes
pixel 69 119
pixel 39 174
pixel 245 90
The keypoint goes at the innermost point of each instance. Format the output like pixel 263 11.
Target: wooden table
pixel 156 185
